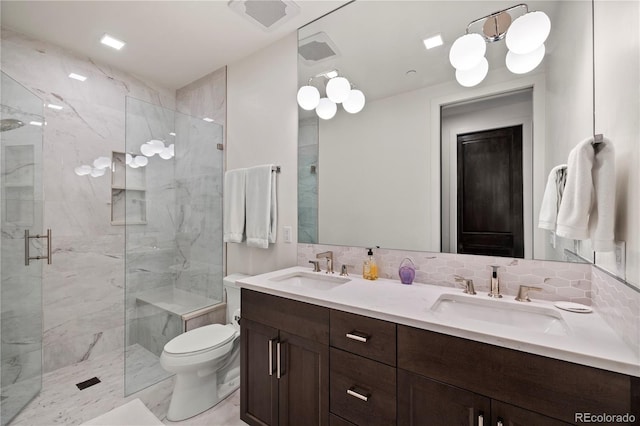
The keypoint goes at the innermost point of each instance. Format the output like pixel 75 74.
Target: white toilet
pixel 206 360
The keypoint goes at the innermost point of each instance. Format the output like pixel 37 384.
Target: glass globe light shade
pixel 102 162
pixel 467 51
pixel 97 172
pixel 474 76
pixel 521 64
pixel 147 150
pixel 326 109
pixel 354 102
pixel 308 97
pixel 83 170
pixel 134 165
pixel 141 161
pixel 172 150
pixel 156 145
pixel 128 158
pixel 528 32
pixel 166 154
pixel 338 89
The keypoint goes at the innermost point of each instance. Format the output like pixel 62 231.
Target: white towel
pixel 588 202
pixel 552 197
pixel 234 205
pixel 261 206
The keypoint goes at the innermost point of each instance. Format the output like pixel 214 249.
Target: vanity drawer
pixel 369 337
pixel 362 391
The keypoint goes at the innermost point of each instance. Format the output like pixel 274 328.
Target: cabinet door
pixel 259 385
pixel 423 401
pixel 503 414
pixel 304 381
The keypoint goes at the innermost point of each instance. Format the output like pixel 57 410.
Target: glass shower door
pixel 21 225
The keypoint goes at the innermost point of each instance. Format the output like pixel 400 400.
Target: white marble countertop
pixel 588 341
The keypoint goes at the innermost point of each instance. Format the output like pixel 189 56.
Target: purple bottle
pixel 407 271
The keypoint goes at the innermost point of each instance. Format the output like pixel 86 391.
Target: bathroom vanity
pixel 330 351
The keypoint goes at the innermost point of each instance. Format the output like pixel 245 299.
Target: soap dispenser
pixel 370 268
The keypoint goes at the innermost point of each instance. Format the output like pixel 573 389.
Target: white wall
pixel 618 117
pixel 262 123
pixel 388 141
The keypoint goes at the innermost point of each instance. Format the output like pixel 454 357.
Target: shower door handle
pixel 27 238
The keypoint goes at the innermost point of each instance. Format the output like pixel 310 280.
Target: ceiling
pixel 171 43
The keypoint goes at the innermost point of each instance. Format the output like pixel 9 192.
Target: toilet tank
pixel 232 293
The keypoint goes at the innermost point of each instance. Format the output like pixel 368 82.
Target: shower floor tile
pixel 61 403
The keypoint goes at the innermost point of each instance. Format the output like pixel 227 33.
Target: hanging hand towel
pixel 234 205
pixel 261 206
pixel 588 202
pixel 552 197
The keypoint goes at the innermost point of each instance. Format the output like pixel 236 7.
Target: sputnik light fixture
pixel 525 37
pixel 338 91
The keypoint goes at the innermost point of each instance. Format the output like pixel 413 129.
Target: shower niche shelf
pixel 128 192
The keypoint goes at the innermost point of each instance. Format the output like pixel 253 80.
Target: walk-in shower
pixel 21 121
pixel 167 191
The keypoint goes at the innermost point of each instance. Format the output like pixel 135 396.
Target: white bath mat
pixel 133 413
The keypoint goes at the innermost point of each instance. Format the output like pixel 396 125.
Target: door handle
pixel 27 257
pixel 279 368
pixel 481 419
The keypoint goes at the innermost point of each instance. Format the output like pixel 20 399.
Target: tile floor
pixel 61 403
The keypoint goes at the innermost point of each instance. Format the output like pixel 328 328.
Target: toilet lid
pixel 199 339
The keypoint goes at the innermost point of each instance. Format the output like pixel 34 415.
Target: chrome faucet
pixel 468 284
pixel 329 256
pixel 523 293
pixel 495 283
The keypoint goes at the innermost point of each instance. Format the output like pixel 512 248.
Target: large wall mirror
pixel 419 167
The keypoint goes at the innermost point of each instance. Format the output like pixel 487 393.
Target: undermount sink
pixel 525 317
pixel 312 280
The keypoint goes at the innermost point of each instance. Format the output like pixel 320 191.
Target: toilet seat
pixel 199 340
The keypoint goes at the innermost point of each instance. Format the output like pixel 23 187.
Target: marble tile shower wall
pixel 559 281
pixel 83 288
pixel 199 173
pixel 308 180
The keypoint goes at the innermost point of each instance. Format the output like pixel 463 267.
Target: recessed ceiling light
pixel 172 134
pixel 112 42
pixel 77 76
pixel 36 123
pixel 208 120
pixel 54 106
pixel 432 42
pixel 331 74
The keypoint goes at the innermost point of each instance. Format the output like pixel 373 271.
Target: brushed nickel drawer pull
pixel 358 336
pixel 358 395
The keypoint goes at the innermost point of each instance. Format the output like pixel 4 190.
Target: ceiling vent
pixel 268 14
pixel 317 48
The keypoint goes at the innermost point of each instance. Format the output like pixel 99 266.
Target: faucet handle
pixel 316 265
pixel 523 293
pixel 344 272
pixel 468 284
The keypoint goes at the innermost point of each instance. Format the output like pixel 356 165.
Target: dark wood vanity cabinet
pixel 521 389
pixel 341 369
pixel 284 361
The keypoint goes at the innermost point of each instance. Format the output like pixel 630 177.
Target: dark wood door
pixel 259 385
pixel 490 212
pixel 510 415
pixel 423 401
pixel 304 382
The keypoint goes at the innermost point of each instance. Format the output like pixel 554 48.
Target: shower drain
pixel 88 383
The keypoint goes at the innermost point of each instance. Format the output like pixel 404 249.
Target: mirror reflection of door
pixel 490 212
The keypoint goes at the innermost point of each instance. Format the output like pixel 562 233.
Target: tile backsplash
pixel 558 280
pixel 618 304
